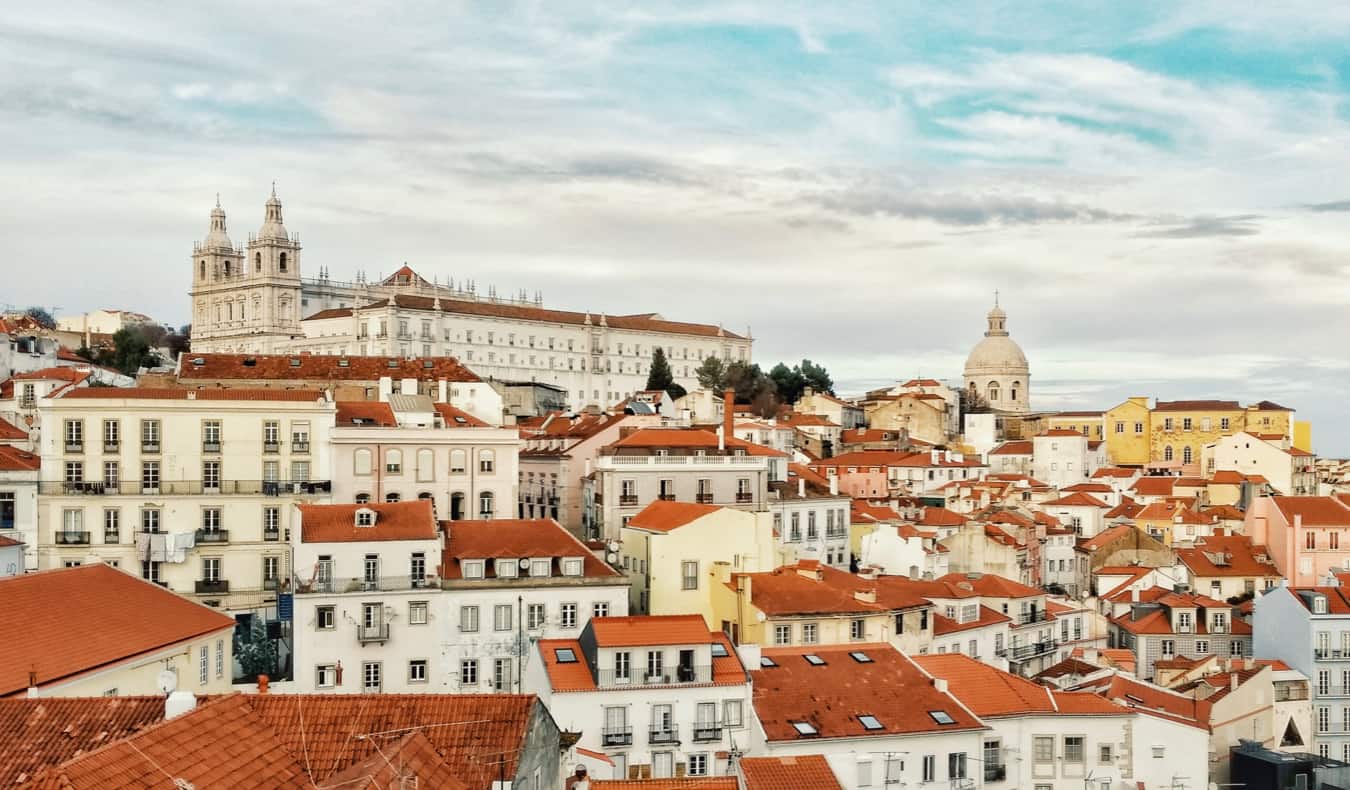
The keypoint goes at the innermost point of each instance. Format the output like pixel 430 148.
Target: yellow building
pixel 1180 429
pixel 1091 424
pixel 923 414
pixel 1173 523
pixel 676 553
pixel 1303 435
pixel 1127 431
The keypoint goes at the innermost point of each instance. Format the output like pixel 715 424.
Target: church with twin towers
pixel 253 298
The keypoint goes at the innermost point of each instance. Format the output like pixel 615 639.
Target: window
pixel 458 459
pixel 698 764
pixel 568 614
pixel 486 461
pixel 1186 454
pixel 74 472
pixel 809 635
pixel 956 765
pixel 150 436
pixel 1104 755
pixel 622 666
pixel 74 435
pixel 501 617
pixel 299 471
pixel 271 569
pixel 1043 748
pixel 856 629
pixel 203 666
pixel 782 634
pixel 1223 423
pixel 417 670
pixel 8 510
pixel 111 474
pixel 485 505
pixel 1169 648
pixel 534 616
pixel 1073 749
pixel 300 437
pixel 220 658
pixel 1323 719
pixel 930 768
pixel 600 609
pixel 417 612
pixel 468 672
pixel 211 569
pixel 1185 423
pixel 1167 453
pixel 393 461
pixel 112 520
pixel 869 722
pixel 370 676
pixel 468 619
pixel 732 714
pixel 501 674
pixel 1202 646
pixel 805 728
pixel 689 575
pixel 325 676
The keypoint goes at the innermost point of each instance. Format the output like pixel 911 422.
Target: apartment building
pixel 1163 624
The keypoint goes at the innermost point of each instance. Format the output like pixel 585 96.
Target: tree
pixel 256 654
pixel 660 377
pixel 972 402
pixel 816 377
pixel 752 386
pixel 41 315
pixel 789 382
pixel 181 341
pixel 711 374
pixel 131 351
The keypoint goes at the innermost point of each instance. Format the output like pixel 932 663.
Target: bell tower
pixel 217 268
pixel 274 278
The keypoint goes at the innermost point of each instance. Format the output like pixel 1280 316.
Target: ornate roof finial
pixel 217 200
pixel 995 297
pixel 274 188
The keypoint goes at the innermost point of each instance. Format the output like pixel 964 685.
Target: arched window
pixel 227 268
pixel 257 261
pixel 362 499
pixel 973 389
pixel 393 461
pixel 426 465
pixel 485 505
pixel 993 391
pixel 203 270
pixel 457 506
pixel 361 461
pixel 486 461
pixel 392 496
pixel 1186 454
pixel 1167 453
pixel 1012 393
pixel 458 458
pixel 281 262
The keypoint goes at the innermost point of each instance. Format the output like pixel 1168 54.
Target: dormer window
pixel 1319 605
pixel 506 569
pixel 365 517
pixel 473 569
pixel 540 568
pixel 572 566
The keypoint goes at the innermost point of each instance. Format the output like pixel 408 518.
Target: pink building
pixel 1307 535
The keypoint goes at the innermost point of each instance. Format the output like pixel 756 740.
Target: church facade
pixel 996 370
pixel 252 298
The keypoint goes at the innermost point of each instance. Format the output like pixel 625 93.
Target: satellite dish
pixel 167 681
pixel 612 557
pixel 614 545
pixel 760 616
pixel 524 563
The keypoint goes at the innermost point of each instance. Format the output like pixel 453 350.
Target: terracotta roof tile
pixel 1154 485
pixel 1197 405
pixel 457 418
pixel 664 515
pixel 885 458
pixel 1155 700
pixel 166 393
pixel 940 517
pixel 514 538
pixel 572 675
pixel 42 732
pixel 410 520
pixel 686 783
pixel 1015 447
pixel 1227 555
pixel 12 459
pixel 11 432
pixel 1316 511
pixel 1128 508
pixel 365 413
pixel 831 697
pixel 1113 471
pixel 117 617
pixel 990 692
pixel 824 590
pixel 1090 488
pixel 66 374
pixel 1078 499
pixel 694 438
pixel 1106 537
pixel 319 368
pixel 807 772
pixel 992 585
pixel 640 630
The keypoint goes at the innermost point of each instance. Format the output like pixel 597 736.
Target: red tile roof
pixel 831 697
pixel 412 760
pixel 940 517
pixel 864 458
pixel 410 520
pixel 1197 405
pixel 365 413
pixel 1154 700
pixel 1227 555
pixel 1316 511
pixel 66 374
pixel 826 590
pixel 44 731
pixel 319 368
pixel 1016 447
pixel 686 783
pixel 1106 537
pixel 1154 485
pixel 1078 499
pixel 862 510
pixel 808 772
pixel 116 616
pixel 643 630
pixel 573 675
pixel 12 459
pixel 1128 508
pixel 514 538
pixel 695 438
pixel 664 515
pixel 992 585
pixel 990 692
pixel 165 393
pixel 1114 471
pixel 11 432
pixel 1090 488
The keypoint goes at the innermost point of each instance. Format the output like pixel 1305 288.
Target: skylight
pixel 565 655
pixel 869 722
pixel 719 650
pixel 765 661
pixel 805 728
pixel 814 660
pixel 860 657
pixel 941 717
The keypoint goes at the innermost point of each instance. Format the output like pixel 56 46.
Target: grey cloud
pixel 817 223
pixel 599 167
pixel 962 210
pixel 1206 228
pixel 1335 205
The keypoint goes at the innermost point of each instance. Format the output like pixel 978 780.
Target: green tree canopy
pixel 660 377
pixel 42 315
pixel 711 374
pixel 792 381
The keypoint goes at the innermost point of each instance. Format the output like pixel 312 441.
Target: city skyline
pixel 1143 186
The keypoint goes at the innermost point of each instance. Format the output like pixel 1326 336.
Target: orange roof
pixel 1227 555
pixel 853 435
pixel 664 515
pixel 1154 700
pixel 12 459
pixel 1154 486
pixel 1106 537
pixel 691 438
pixel 865 511
pixel 786 591
pixel 1090 488
pixel 319 368
pixel 833 695
pixel 1016 447
pixel 365 413
pixel 410 520
pixel 1078 499
pixel 1173 512
pixel 940 517
pixel 990 584
pixel 1128 508
pixel 808 772
pixel 9 431
pixel 922 383
pixel 574 675
pixel 44 731
pixel 643 630
pixel 1337 602
pixel 990 692
pixel 1197 405
pixel 1114 471
pixel 67 374
pixel 1223 513
pixel 166 393
pixel 116 616
pixel 686 783
pixel 1316 511
pixel 513 539
pixel 791 419
pixel 896 458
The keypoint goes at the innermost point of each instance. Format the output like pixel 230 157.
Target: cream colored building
pixel 253 299
pixel 102 322
pixel 1288 469
pixel 997 370
pixel 188 488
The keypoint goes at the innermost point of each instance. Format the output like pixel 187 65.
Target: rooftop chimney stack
pixel 728 416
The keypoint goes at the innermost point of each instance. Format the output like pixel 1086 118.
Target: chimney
pixel 868 595
pixel 801 487
pixel 441 390
pixel 1233 682
pixel 728 417
pixel 1134 595
pixel 834 485
pixel 262 684
pixel 178 703
pixel 940 684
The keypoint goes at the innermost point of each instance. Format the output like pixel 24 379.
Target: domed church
pixel 997 369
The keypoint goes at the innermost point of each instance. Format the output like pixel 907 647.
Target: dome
pixel 217 237
pixel 996 354
pixel 272 227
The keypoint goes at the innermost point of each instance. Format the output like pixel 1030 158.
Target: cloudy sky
pixel 1157 189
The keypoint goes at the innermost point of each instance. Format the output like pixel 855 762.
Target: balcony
pixel 74 447
pixel 271 533
pixel 211 447
pixel 72 538
pixel 616 736
pixel 271 584
pixel 703 499
pixel 669 677
pixel 213 536
pixel 743 497
pixel 629 500
pixel 338 586
pixel 707 731
pixel 1027 618
pixel 667 734
pixel 186 487
pixel 1323 654
pixel 368 634
pixel 271 446
pixel 666 497
pixel 1025 652
pixel 149 447
pixel 298 446
pixel 211 587
pixel 112 538
pixel 995 773
pixel 113 446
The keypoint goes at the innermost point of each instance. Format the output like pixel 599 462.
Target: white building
pixel 189 488
pixel 1061 457
pixel 811 517
pixel 660 697
pixel 1082 512
pixel 105 321
pixel 508 584
pixel 997 370
pixel 255 299
pixel 1290 470
pixel 366 579
pixel 411 447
